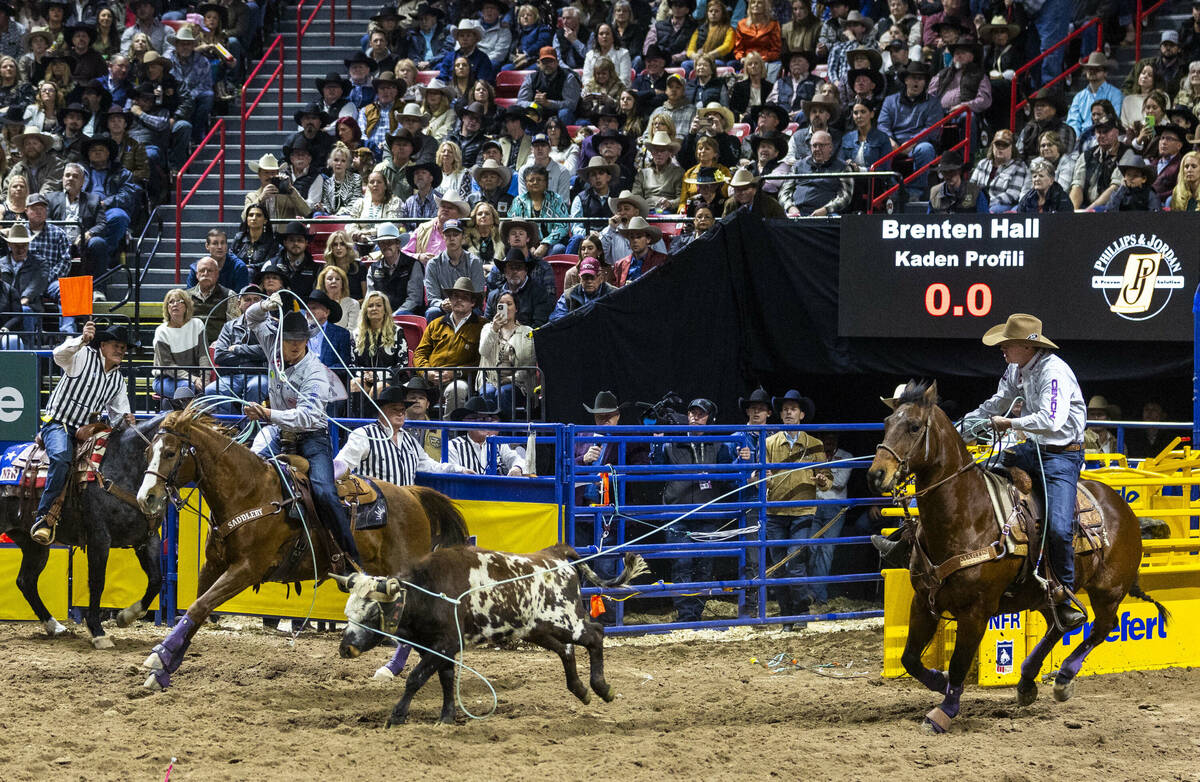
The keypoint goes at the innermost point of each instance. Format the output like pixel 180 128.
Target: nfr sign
pixel 1005 622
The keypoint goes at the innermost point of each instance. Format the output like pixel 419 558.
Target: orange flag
pixel 75 295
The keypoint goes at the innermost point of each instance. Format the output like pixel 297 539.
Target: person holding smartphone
pixel 505 344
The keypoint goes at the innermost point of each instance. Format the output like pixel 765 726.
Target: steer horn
pixel 345 583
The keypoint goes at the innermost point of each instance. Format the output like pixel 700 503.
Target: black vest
pixel 394 281
pixel 593 205
pixel 552 86
pixel 674 42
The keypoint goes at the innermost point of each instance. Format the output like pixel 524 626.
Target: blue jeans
pixel 793 599
pixel 821 557
pixel 251 388
pixel 200 115
pixel 165 386
pixel 181 142
pixel 58 451
pixel 66 325
pixel 689 569
pixel 315 447
pixel 1052 23
pixel 1061 473
pixel 505 397
pixel 922 155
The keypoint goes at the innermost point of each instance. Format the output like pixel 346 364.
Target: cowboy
pixel 1048 111
pixel 1097 175
pixel 1098 439
pixel 319 142
pixel 592 451
pixel 1135 193
pixel 551 88
pixel 593 201
pixel 453 262
pixel 419 396
pixel 591 287
pixel 643 257
pixel 493 179
pixel 660 182
pixel 89 64
pixel 331 342
pixel 468 34
pixel 414 119
pixel 651 84
pixel 161 111
pixel 295 259
pixel 130 151
pixel 798 86
pixel 452 341
pixel 469 134
pixel 362 91
pixel 497 37
pixel 423 203
pixel 534 303
pixel 195 76
pixel 375 117
pixel 745 192
pixel 396 163
pixel 427 241
pixel 72 118
pixel 397 275
pixel 820 115
pixel 1095 70
pixel 25 274
pixel 469 452
pixel 332 101
pixel 515 144
pixel 91 382
pixel 299 168
pixel 907 114
pixel 299 388
pixel 384 450
pixel 714 120
pixel 430 39
pixel 275 193
pixel 162 38
pixel 236 347
pixel 768 148
pixel 39 165
pixel 955 193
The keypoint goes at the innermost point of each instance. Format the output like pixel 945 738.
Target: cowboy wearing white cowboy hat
pixel 624 208
pixel 660 182
pixel 643 256
pixel 427 241
pixel 398 276
pixel 745 190
pixel 467 34
pixel 1098 439
pixel 275 193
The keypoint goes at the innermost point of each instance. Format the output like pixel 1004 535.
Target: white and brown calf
pixel 543 606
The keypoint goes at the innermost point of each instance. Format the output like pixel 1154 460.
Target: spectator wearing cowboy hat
pixel 705 185
pixel 624 208
pixel 964 82
pixel 865 86
pixel 497 40
pixel 282 200
pixel 446 267
pixel 295 259
pixel 745 192
pixel 427 241
pixel 120 196
pixel 391 23
pixel 423 203
pixel 25 274
pixel 331 342
pixel 1167 149
pixel 420 396
pixel 551 88
pixel 452 341
pixel 650 85
pixel 672 34
pixel 1095 70
pixel 642 257
pixel 71 119
pixel 469 134
pixel 195 76
pixel 817 197
pixel 660 182
pixel 430 39
pixel 908 113
pixel 272 277
pixel 89 64
pixel 768 117
pixel 413 119
pixel 397 274
pixel 593 199
pixel 863 143
pixel 591 287
pixel 856 49
pixel 796 83
pixel 468 34
pixel 612 145
pixel 820 113
pixel 515 144
pixel 955 193
pixel 492 179
pixel 831 28
pixel 558 177
pixel 539 201
pixel 437 103
pixel 130 152
pixel 39 165
pixel 311 121
pixel 1135 193
pixel 757 408
pixel 1001 174
pixel 332 99
pixel 1099 439
pixel 767 152
pixel 150 124
pixel 1048 113
pixel 794 522
pixel 714 121
pixel 361 92
pixel 299 168
pixel 375 117
pixel 706 158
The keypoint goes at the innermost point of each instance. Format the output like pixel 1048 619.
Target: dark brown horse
pixel 251 537
pixel 956 518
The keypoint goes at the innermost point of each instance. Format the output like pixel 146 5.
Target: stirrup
pixel 42 532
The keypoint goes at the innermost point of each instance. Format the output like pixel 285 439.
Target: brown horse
pixel 252 536
pixel 957 518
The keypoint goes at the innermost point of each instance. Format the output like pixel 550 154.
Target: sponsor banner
pixel 18 395
pixel 1112 276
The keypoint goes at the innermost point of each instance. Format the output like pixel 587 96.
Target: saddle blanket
pixel 15 460
pixel 1023 523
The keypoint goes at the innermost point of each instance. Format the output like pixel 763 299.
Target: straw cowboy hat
pixel 662 140
pixel 606 403
pixel 267 162
pixel 412 111
pixel 639 225
pixel 598 163
pixel 895 397
pixel 1099 403
pixel 854 17
pixel 829 106
pixel 32 131
pixel 628 197
pixel 997 24
pixel 470 26
pixel 464 209
pixel 18 234
pixel 1018 328
pixel 463 285
pixel 495 167
pixel 743 177
pixel 722 111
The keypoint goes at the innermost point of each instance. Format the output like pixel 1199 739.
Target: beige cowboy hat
pixel 18 234
pixel 721 111
pixel 662 140
pixel 464 209
pixel 531 230
pixel 1018 328
pixel 628 197
pixel 640 225
pixel 267 162
pixel 32 130
pixel 462 284
pixel 1097 60
pixel 437 85
pixel 895 397
pixel 998 23
pixel 495 167
pixel 598 163
pixel 411 111
pixel 1098 402
pixel 186 34
pixel 743 177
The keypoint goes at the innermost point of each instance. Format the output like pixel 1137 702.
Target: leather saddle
pixel 30 465
pixel 352 489
pixel 1020 513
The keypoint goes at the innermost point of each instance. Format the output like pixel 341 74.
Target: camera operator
pixel 700 412
pixel 275 192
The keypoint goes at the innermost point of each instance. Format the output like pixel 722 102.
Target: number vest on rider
pixel 77 396
pixel 387 460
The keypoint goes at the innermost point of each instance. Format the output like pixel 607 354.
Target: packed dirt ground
pixel 248 704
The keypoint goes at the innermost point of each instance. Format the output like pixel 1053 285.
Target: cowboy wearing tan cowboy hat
pixel 642 257
pixel 1098 439
pixel 275 193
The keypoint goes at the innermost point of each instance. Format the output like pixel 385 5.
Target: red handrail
pixel 1014 104
pixel 181 200
pixel 1139 17
pixel 301 30
pixel 277 44
pixel 962 112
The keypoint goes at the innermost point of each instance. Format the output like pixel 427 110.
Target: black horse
pixel 96 520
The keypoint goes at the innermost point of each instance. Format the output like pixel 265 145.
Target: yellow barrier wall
pixel 124 581
pixel 518 527
pixel 52 585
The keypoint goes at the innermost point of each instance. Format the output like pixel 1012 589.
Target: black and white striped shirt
pixel 470 455
pixel 85 388
pixel 370 451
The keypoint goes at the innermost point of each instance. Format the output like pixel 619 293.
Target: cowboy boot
pixel 1069 617
pixel 894 552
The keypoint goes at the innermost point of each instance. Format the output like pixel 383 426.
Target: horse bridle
pixel 169 479
pixel 902 468
pixel 904 473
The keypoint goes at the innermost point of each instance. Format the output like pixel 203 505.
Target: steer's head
pixel 376 603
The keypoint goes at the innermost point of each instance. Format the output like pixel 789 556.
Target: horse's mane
pixel 914 393
pixel 183 420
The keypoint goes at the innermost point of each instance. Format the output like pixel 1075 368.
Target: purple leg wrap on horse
pixel 163 678
pixel 952 704
pixel 933 679
pixel 1033 663
pixel 173 647
pixel 1071 665
pixel 396 664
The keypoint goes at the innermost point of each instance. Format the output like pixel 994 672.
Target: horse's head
pixel 375 604
pixel 906 434
pixel 171 462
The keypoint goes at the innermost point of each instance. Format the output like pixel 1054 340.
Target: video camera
pixel 667 411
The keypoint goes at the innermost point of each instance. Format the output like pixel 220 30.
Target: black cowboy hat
pixel 475 405
pixel 301 144
pixel 1184 113
pixel 251 290
pixel 772 137
pixel 113 333
pixel 116 110
pixel 14 115
pixel 653 52
pixel 974 48
pixel 474 107
pixel 606 402
pixel 1051 97
pixel 294 327
pixel 757 395
pixel 293 228
pixel 74 107
pixel 393 395
pixel 807 406
pixel 951 161
pixel 916 68
pixel 876 78
pixel 1170 128
pixel 321 297
pixel 419 383
pixel 403 134
pixel 780 113
pixel 611 135
pixel 431 10
pixel 104 141
pixel 221 10
pixel 272 268
pixel 360 58
pixel 432 168
pixel 308 111
pixel 390 11
pixel 514 255
pixel 70 30
pixel 53 57
pixel 707 175
pixel 811 57
pixel 951 23
pixel 333 76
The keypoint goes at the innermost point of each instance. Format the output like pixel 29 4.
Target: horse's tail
pixel 1163 614
pixel 447 527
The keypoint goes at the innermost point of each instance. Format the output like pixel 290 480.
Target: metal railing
pixel 155 218
pixel 962 113
pixel 1014 104
pixel 1140 16
pixel 181 201
pixel 276 76
pixel 302 30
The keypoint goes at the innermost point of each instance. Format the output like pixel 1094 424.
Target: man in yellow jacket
pixel 452 341
pixel 793 522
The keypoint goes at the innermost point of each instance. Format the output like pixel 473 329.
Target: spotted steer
pixel 543 606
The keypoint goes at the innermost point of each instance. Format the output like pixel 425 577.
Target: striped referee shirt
pixel 372 453
pixel 85 387
pixel 468 454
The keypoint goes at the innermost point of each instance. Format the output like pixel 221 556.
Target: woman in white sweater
pixel 506 343
pixel 179 342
